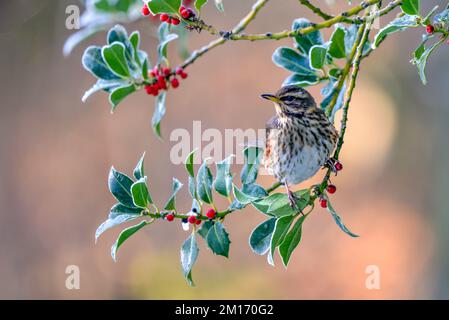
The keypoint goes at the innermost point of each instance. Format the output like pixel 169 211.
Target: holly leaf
pixel 291 60
pixel 396 25
pixel 259 240
pixel 337 48
pixel 199 4
pixel 124 235
pixel 189 163
pixel 219 5
pixel 281 206
pixel 165 37
pixel 421 62
pixel 250 170
pixel 171 202
pixel 305 42
pixel 300 80
pixel 338 220
pixel 118 94
pixel 159 112
pixel 120 187
pixel 223 180
pixel 139 191
pixel 205 227
pixel 114 56
pixel 281 228
pixel 164 6
pixel 94 63
pixel 317 56
pixel 105 85
pixel 118 215
pixel 204 183
pixel 189 254
pixel 411 7
pixel 291 241
pixel 218 240
pixel 139 171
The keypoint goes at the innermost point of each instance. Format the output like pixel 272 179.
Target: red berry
pixel 211 214
pixel 152 74
pixel 149 89
pixel 175 83
pixel 184 75
pixel 198 222
pixel 156 70
pixel 331 188
pixel 145 10
pixel 338 166
pixel 448 42
pixel 430 29
pixel 166 71
pixel 179 70
pixel 185 14
pixel 181 9
pixel 175 21
pixel 323 203
pixel 192 219
pixel 164 18
pixel 170 217
pixel 161 82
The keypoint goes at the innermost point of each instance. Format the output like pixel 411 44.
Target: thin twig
pixel 316 10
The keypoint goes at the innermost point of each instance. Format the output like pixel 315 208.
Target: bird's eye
pixel 288 98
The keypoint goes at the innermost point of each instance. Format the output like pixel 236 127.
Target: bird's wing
pixel 272 124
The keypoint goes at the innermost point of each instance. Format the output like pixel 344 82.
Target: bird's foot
pixel 293 199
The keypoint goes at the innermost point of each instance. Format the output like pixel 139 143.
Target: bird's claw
pixel 293 199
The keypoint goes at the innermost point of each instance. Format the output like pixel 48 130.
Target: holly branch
pixel 122 68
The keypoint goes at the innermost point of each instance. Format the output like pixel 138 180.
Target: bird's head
pixel 291 100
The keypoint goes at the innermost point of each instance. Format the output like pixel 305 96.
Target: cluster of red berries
pixel 186 13
pixel 330 189
pixel 161 78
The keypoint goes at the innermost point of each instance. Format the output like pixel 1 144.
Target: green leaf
pixel 259 240
pixel 189 254
pixel 263 205
pixel 280 231
pixel 171 203
pixel 204 183
pixel 219 5
pixel 254 190
pixel 205 227
pixel 139 171
pixel 114 6
pixel 165 37
pixel 422 55
pixel 118 94
pixel 159 112
pixel 300 80
pixel 305 42
pixel 338 220
pixel 192 187
pixel 291 241
pixel 189 163
pixel 223 181
pixel 396 25
pixel 218 240
pixel 106 85
pixel 291 60
pixel 164 6
pixel 281 206
pixel 120 187
pixel 411 7
pixel 114 56
pixel 199 4
pixel 317 56
pixel 124 235
pixel 243 198
pixel 337 48
pixel 118 34
pixel 139 191
pixel 250 171
pixel 118 215
pixel 94 63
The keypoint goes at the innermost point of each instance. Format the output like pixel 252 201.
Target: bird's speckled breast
pixel 298 148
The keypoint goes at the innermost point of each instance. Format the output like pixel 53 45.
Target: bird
pixel 299 138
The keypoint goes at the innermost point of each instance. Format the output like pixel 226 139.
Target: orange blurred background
pixel 56 153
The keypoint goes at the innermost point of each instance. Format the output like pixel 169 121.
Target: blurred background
pixel 56 153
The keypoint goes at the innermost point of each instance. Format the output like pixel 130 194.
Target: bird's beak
pixel 270 97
